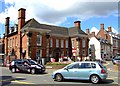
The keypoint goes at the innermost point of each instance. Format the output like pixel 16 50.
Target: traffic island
pixel 56 65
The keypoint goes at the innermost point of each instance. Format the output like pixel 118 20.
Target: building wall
pixel 25 46
pixel 1 45
pixel 104 35
pixel 77 47
pixel 96 43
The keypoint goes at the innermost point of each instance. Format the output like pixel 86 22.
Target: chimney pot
pixel 87 31
pixel 77 24
pixel 7 21
pixel 109 29
pixel 7 25
pixel 21 13
pixel 102 26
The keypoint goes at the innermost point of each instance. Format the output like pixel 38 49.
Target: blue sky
pixel 61 13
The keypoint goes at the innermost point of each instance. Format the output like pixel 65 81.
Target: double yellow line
pixel 20 82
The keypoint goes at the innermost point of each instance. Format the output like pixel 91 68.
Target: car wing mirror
pixel 65 68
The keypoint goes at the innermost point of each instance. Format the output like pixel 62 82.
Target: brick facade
pixel 22 42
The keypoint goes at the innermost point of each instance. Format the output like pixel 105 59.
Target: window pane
pixel 62 43
pixel 93 65
pixel 83 43
pixel 39 40
pixel 66 43
pixel 72 43
pixel 85 65
pixel 57 43
pixel 51 42
pixel 73 66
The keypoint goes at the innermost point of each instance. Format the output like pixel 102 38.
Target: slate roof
pixel 73 31
pixel 32 23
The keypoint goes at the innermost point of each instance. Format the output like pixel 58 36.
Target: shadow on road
pixel 108 81
pixel 31 74
pixel 5 80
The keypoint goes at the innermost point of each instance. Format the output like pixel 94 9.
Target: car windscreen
pixel 32 62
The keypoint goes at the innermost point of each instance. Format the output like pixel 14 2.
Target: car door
pixel 84 71
pixel 19 65
pixel 70 71
pixel 26 66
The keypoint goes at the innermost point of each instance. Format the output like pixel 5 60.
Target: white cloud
pixel 94 29
pixel 56 11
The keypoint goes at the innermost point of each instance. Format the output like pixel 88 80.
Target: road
pixel 21 78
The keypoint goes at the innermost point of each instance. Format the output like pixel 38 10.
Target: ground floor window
pixel 39 53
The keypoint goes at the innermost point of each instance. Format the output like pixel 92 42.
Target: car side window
pixel 93 65
pixel 74 66
pixel 19 62
pixel 85 65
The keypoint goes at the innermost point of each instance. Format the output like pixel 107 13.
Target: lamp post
pixel 29 35
pixel 47 47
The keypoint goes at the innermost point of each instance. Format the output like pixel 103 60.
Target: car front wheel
pixel 13 70
pixel 58 77
pixel 94 79
pixel 32 71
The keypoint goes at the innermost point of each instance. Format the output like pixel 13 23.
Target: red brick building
pixel 31 39
pixel 111 37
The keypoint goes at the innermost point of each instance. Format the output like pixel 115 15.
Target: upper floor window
pixel 66 43
pixel 72 43
pixel 57 43
pixel 83 43
pixel 51 42
pixel 62 43
pixel 39 40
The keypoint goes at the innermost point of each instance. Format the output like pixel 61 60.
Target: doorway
pixel 57 57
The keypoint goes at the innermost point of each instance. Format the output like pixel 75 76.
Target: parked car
pixel 26 65
pixel 116 60
pixel 86 70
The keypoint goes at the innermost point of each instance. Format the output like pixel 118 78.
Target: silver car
pixel 116 60
pixel 86 70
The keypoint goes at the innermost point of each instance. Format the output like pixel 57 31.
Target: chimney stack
pixel 109 29
pixel 102 26
pixel 77 24
pixel 7 25
pixel 21 23
pixel 21 18
pixel 87 31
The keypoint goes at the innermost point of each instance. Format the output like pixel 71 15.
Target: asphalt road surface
pixel 7 78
